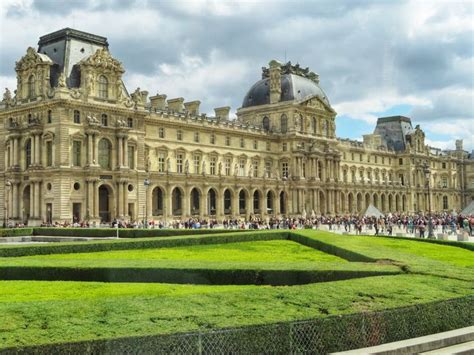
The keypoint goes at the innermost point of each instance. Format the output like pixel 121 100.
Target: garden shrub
pixel 16 232
pixel 96 246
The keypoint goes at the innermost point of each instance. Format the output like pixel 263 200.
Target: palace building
pixel 79 146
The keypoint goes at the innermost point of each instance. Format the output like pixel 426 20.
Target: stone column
pixel 120 199
pixel 235 205
pixel 14 199
pixel 95 159
pixel 32 200
pixel 15 152
pixel 37 213
pixel 120 152
pixel 125 200
pixel 90 151
pixel 90 196
pixel 37 149
pixel 220 204
pixel 125 152
pixel 33 150
pixel 276 205
pixel 96 200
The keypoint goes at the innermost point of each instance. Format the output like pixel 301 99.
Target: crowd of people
pixel 415 224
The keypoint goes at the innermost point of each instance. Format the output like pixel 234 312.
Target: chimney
pixel 222 112
pixel 158 102
pixel 176 105
pixel 192 107
pixel 275 81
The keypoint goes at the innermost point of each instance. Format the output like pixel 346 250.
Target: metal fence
pixel 317 336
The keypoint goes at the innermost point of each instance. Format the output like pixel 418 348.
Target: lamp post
pixel 427 172
pixel 146 183
pixel 8 184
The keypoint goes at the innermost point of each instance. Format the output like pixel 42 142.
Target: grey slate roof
pixel 393 130
pixel 293 87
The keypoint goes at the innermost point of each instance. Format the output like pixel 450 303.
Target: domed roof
pixel 293 87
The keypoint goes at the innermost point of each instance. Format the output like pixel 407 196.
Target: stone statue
pixel 186 167
pixel 250 172
pixel 219 168
pixel 236 170
pixel 137 96
pixel 168 165
pixel 119 89
pixel 203 167
pixel 7 95
pixel 62 80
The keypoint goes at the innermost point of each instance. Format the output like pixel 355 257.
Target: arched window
pixel 130 122
pixel 31 87
pixel 105 149
pixel 77 116
pixel 284 124
pixel 104 120
pixel 28 153
pixel 103 87
pixel 266 123
pixel 50 116
pixel 314 126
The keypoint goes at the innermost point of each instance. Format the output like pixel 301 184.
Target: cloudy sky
pixel 375 58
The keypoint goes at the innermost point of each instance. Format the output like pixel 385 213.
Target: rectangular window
pixel 76 153
pixel 197 164
pixel 161 162
pixel 360 157
pixel 352 156
pixel 212 138
pixel 161 132
pixel 402 179
pixel 179 163
pixel 400 161
pixel 242 167
pixel 227 141
pixel 383 160
pixel 268 169
pixel 227 166
pixel 445 182
pixel 77 116
pixel 179 135
pixel 376 159
pixel 212 166
pixel 255 168
pixel 49 153
pixel 443 165
pixel 242 143
pixel 196 137
pixel 284 169
pixel 255 144
pixel 268 146
pixel 131 157
pixel 284 147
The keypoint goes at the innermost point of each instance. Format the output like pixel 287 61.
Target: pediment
pixel 315 101
pixel 31 59
pixel 104 60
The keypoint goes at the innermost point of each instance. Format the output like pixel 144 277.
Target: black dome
pixel 293 87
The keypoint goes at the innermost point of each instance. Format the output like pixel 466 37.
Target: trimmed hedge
pixel 184 275
pixel 464 245
pixel 329 249
pixel 127 232
pixel 97 246
pixel 16 232
pixel 315 336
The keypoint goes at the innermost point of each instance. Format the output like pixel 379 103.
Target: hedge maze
pixel 163 285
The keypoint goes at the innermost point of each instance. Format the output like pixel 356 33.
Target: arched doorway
pixel 384 206
pixel 376 201
pixel 195 201
pixel 359 202
pixel 270 201
pixel 227 202
pixel 157 201
pixel 211 202
pixel 242 202
pixel 322 202
pixel 177 202
pixel 26 204
pixel 350 202
pixel 104 204
pixel 367 200
pixel 390 203
pixel 283 202
pixel 256 202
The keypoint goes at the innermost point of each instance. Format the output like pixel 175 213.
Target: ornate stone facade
pixel 78 146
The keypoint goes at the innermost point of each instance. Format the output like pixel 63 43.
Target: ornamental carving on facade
pixel 289 68
pixel 30 60
pixel 102 59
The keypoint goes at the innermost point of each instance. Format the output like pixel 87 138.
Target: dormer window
pixel 103 87
pixel 31 87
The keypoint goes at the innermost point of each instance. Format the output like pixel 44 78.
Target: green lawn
pixel 36 312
